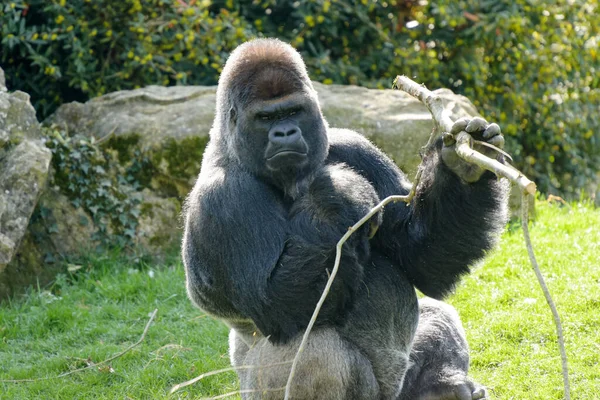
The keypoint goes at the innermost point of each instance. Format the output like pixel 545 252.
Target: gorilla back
pixel 276 191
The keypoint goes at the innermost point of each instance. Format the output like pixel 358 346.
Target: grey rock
pixel 24 168
pixel 2 81
pixel 158 226
pixel 155 113
pixel 17 117
pixel 395 121
pixel 23 175
pixel 169 125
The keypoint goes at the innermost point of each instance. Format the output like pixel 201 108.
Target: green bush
pixel 532 66
pixel 63 50
pixel 93 180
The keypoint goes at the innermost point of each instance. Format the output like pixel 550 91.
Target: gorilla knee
pixel 329 368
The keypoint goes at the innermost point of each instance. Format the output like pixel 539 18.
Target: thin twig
pixel 180 386
pixel 540 278
pixel 466 152
pixel 93 364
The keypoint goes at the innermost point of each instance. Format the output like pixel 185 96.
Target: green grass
pixel 103 308
pixel 514 350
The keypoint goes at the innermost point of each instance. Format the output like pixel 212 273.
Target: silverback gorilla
pixel 277 190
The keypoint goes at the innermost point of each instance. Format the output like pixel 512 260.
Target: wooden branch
pixel 180 386
pixel 463 147
pixel 466 152
pixel 93 364
pixel 540 278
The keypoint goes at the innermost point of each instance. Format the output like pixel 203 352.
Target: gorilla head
pixel 268 114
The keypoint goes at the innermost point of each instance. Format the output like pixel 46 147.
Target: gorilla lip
pixel 287 153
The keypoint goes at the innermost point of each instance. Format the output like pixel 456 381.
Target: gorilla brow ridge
pixel 242 72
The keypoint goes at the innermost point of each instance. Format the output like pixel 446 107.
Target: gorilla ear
pixel 232 115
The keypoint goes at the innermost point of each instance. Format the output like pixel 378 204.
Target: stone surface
pixel 158 227
pixel 2 81
pixel 17 117
pixel 23 175
pixel 24 168
pixel 154 113
pixel 395 121
pixel 58 233
pixel 155 116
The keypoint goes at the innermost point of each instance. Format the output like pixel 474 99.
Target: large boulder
pixel 158 133
pixel 171 124
pixel 24 168
pixel 396 122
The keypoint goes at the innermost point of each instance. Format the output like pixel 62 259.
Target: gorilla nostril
pixel 279 134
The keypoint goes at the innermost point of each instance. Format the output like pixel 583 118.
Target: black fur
pixel 260 236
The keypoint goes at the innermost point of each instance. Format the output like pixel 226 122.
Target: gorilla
pixel 277 189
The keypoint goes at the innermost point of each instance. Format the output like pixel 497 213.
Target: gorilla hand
pixel 480 130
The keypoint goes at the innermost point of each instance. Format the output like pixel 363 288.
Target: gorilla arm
pixel 447 227
pixel 246 257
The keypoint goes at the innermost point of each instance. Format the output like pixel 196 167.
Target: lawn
pixel 102 308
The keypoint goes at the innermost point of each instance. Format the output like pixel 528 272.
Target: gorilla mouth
pixel 285 153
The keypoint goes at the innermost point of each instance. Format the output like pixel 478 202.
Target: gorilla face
pixel 281 139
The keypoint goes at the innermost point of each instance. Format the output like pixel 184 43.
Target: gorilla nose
pixel 284 134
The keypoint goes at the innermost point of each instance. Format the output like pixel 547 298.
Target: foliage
pixel 99 309
pixel 533 66
pixel 62 50
pixel 91 179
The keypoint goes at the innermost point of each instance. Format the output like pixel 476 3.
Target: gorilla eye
pixel 265 117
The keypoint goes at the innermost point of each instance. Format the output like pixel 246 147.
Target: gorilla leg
pixel 330 368
pixel 439 357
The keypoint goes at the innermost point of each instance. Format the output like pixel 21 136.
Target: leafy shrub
pixel 532 66
pixel 535 68
pixel 62 50
pixel 93 180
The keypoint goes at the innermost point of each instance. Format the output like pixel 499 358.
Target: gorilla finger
pixel 497 141
pixel 477 124
pixel 491 131
pixel 448 139
pixel 459 125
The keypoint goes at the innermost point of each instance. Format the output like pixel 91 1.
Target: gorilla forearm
pixel 297 282
pixel 276 279
pixel 451 225
pixel 447 227
pixel 336 197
